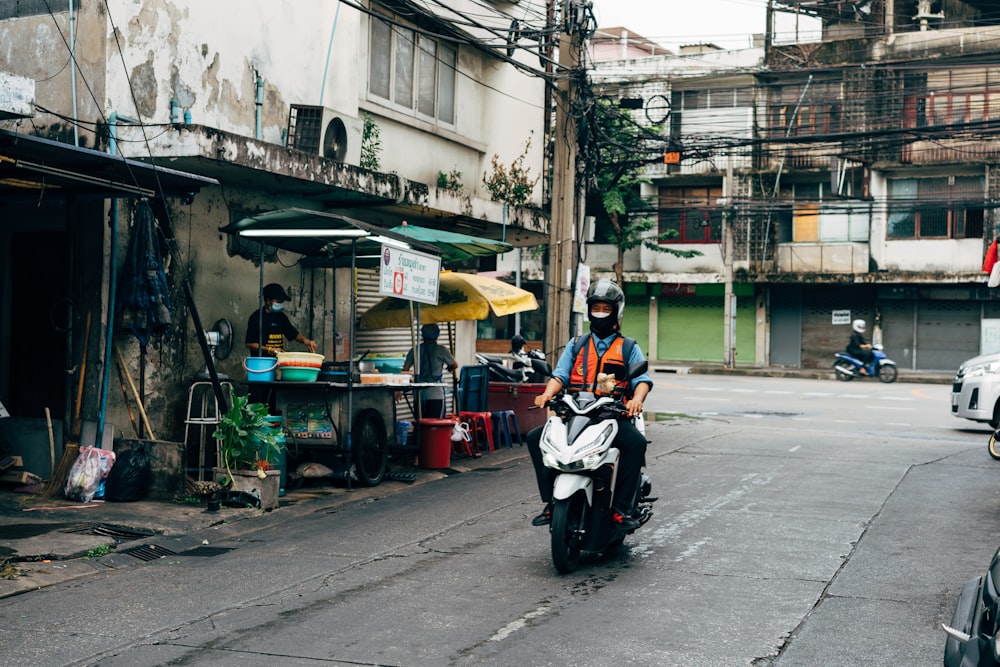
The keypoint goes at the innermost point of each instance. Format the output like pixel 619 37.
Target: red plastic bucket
pixel 435 443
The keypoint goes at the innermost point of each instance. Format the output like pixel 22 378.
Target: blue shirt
pixel 565 365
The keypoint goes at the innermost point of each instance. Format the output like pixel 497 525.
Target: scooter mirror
pixel 635 370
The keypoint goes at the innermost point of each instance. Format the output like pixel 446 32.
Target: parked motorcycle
pixel 496 371
pixel 972 635
pixel 532 364
pixel 576 442
pixel 527 365
pixel 847 367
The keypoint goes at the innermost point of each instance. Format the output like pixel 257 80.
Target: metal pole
pixel 729 305
pixel 350 357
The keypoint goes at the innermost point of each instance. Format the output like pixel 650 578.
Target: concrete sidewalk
pixel 656 369
pixel 49 541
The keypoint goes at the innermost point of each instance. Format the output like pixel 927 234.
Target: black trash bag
pixel 128 480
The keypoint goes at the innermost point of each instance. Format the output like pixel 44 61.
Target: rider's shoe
pixel 625 520
pixel 545 518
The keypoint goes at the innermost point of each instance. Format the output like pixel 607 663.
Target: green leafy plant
pixel 371 144
pixel 246 438
pixel 450 181
pixel 98 552
pixel 615 178
pixel 512 185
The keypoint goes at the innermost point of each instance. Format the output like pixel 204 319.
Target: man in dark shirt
pixel 858 347
pixel 276 326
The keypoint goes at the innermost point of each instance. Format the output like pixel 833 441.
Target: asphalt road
pixel 800 522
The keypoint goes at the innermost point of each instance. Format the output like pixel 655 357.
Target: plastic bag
pixel 460 432
pixel 128 480
pixel 91 466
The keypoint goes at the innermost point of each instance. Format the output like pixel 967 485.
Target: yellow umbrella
pixel 462 296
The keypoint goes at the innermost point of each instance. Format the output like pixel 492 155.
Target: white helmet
pixel 858 326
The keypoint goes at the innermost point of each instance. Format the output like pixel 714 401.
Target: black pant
pixel 432 408
pixel 629 441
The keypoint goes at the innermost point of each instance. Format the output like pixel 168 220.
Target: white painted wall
pixel 179 49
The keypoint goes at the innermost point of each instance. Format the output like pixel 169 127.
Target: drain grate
pixel 399 476
pixel 148 552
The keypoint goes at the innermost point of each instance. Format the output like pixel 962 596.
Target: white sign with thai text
pixel 410 275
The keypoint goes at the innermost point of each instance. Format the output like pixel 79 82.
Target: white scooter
pixel 576 442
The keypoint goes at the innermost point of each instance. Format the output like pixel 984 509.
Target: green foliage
pixel 246 439
pixel 512 185
pixel 624 217
pixel 98 552
pixel 371 144
pixel 450 181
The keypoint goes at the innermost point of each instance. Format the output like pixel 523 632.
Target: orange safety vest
pixel 587 365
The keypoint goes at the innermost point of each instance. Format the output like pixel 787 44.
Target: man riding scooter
pixel 602 352
pixel 858 347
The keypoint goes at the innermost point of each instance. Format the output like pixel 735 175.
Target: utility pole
pixel 729 306
pixel 562 229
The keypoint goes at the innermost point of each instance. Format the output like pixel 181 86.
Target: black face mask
pixel 602 327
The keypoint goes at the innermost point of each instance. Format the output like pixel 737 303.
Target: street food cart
pixel 351 418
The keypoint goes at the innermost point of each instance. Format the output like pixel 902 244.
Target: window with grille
pixel 692 213
pixel 946 207
pixel 412 72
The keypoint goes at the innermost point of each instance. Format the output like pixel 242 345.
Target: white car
pixel 975 391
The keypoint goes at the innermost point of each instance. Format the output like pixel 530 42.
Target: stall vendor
pixel 277 326
pixel 433 360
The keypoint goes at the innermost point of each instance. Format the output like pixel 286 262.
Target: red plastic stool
pixel 480 427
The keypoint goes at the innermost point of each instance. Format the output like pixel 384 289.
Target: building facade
pixel 852 177
pixel 383 112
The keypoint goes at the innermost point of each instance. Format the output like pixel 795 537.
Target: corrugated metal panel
pixel 395 342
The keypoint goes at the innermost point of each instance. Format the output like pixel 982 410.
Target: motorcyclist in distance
pixel 858 347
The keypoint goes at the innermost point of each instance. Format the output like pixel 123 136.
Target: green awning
pixel 454 247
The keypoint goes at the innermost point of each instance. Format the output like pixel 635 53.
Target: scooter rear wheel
pixel 994 446
pixel 842 374
pixel 567 516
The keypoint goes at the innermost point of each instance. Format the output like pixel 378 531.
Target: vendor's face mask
pixel 277 307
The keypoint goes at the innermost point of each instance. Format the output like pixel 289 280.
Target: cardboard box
pixel 19 477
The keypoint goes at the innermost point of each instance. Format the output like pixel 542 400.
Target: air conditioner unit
pixel 326 132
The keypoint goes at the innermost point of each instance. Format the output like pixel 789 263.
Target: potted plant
pixel 248 448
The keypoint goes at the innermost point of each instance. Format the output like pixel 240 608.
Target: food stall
pixel 346 412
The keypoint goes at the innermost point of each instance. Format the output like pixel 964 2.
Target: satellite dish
pixel 220 344
pixel 335 140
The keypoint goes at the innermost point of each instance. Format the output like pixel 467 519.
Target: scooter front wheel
pixel 567 518
pixel 887 373
pixel 994 446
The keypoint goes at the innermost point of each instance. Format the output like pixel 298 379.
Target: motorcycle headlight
pixel 590 448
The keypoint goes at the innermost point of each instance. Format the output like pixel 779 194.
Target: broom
pixel 71 450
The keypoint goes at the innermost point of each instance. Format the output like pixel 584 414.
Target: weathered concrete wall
pixel 37 47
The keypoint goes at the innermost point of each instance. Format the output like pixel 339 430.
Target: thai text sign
pixel 410 275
